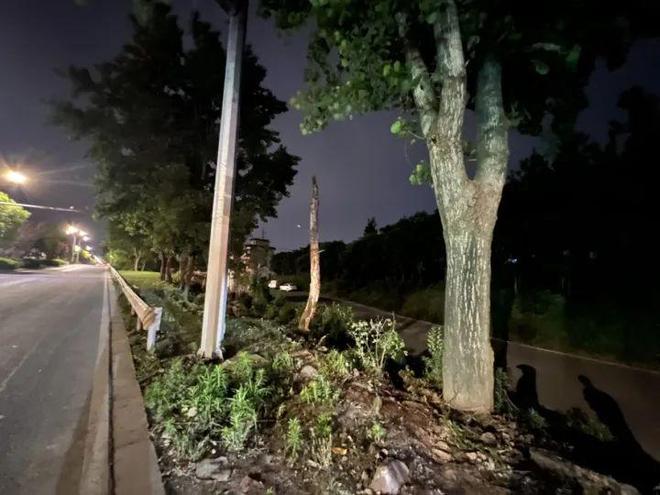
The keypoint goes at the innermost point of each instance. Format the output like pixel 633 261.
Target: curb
pixel 119 456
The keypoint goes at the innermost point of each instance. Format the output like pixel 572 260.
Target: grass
pixel 9 263
pixel 143 280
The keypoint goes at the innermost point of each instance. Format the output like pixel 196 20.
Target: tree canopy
pixel 11 218
pixel 152 116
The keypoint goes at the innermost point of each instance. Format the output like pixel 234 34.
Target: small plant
pixel 333 326
pixel 207 398
pixel 319 391
pixel 375 342
pixel 242 420
pixel 293 438
pixel 576 419
pixel 241 369
pixel 165 394
pixel 503 404
pixel 535 420
pixel 283 363
pixel 435 343
pixel 376 432
pixel 321 440
pixel 335 365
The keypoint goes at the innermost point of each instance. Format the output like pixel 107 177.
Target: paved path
pixel 49 327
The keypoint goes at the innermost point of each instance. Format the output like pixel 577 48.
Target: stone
pixel 471 456
pixel 213 469
pixel 307 372
pixel 488 438
pixel 249 484
pixel 390 477
pixel 440 456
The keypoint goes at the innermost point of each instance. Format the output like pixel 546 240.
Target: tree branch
pixel 492 145
pixel 423 93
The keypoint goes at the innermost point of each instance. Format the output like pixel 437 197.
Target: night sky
pixel 362 170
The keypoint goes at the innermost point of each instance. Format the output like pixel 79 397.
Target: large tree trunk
pixel 168 268
pixel 314 261
pixel 467 206
pixel 163 262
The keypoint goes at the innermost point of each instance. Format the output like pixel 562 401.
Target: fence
pixel 147 317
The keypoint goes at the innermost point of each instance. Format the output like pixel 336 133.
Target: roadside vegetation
pixel 342 409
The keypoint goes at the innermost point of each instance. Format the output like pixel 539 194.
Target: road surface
pixel 554 377
pixel 49 328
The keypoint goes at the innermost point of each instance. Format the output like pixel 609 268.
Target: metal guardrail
pixel 148 317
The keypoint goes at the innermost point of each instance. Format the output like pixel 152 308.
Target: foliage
pixel 242 420
pixel 11 218
pixel 319 391
pixel 376 432
pixel 371 227
pixel 261 296
pixel 286 314
pixel 151 115
pixel 335 366
pixel 375 342
pixel 9 263
pixel 435 342
pixel 332 325
pixel 502 402
pixel 294 439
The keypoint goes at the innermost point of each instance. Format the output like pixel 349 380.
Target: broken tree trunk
pixel 314 261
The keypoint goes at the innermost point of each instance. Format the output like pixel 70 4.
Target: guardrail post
pixel 152 331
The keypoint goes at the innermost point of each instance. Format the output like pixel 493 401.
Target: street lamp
pixel 16 177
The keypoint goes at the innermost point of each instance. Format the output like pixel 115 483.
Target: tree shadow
pixel 620 456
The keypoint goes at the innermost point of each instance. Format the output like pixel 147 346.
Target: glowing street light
pixel 71 230
pixel 16 177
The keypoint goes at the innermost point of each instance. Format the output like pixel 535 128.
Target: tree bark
pixel 162 266
pixel 168 269
pixel 314 261
pixel 467 207
pixel 136 262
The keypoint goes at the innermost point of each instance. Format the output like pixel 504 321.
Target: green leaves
pixel 396 127
pixel 421 175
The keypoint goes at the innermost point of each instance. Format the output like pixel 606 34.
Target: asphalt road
pixel 49 328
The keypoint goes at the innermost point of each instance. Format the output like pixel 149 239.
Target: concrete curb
pixel 119 456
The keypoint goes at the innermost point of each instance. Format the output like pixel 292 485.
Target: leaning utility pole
pixel 215 301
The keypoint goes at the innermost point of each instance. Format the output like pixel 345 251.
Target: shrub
pixel 435 343
pixel 375 342
pixel 261 296
pixel 503 404
pixel 31 263
pixel 54 262
pixel 333 325
pixel 8 263
pixel 286 314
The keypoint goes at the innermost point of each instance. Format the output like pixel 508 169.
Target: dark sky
pixel 362 170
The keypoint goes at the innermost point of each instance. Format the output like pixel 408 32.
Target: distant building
pixel 257 256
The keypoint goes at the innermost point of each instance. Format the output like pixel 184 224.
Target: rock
pixel 213 469
pixel 248 484
pixel 307 372
pixel 471 456
pixel 389 477
pixel 589 481
pixel 440 456
pixel 488 438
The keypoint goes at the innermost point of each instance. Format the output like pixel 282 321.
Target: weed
pixel 241 368
pixel 534 420
pixel 319 391
pixel 283 363
pixel 435 343
pixel 335 365
pixel 294 438
pixel 376 432
pixel 333 325
pixel 242 420
pixel 503 404
pixel 375 342
pixel 286 314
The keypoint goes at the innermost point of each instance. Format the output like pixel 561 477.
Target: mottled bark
pixel 314 261
pixel 163 262
pixel 467 207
